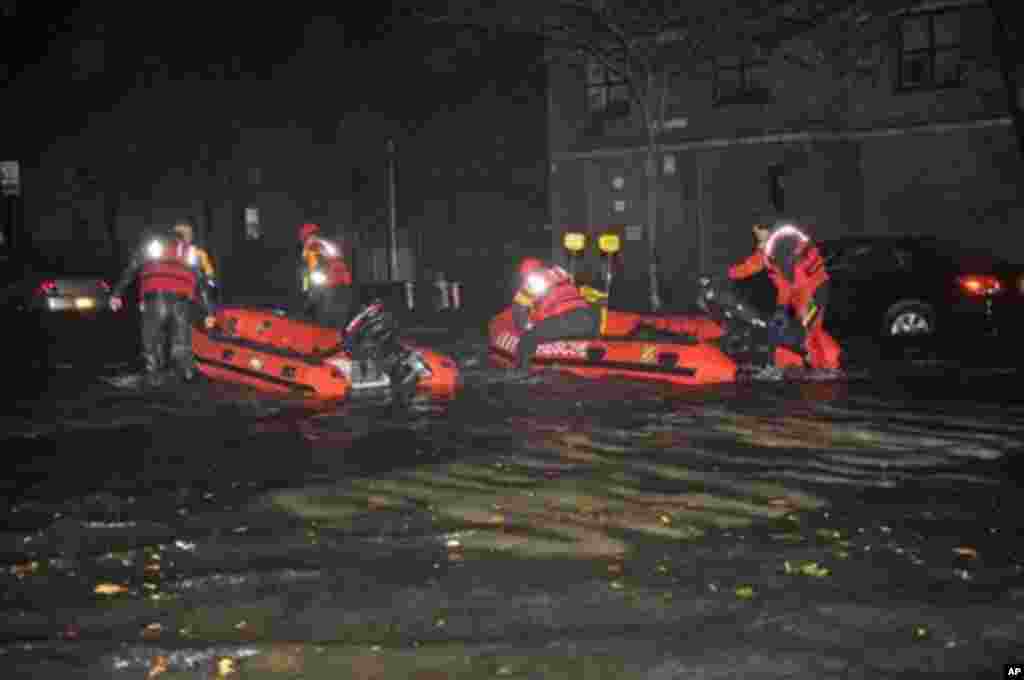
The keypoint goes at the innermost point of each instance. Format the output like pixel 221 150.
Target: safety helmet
pixel 307 230
pixel 529 264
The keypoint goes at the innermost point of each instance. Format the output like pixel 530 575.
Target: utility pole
pixel 392 215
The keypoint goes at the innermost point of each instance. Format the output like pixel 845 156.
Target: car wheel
pixel 909 328
pixel 910 319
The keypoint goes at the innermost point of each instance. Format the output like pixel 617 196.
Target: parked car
pixel 58 301
pixel 915 291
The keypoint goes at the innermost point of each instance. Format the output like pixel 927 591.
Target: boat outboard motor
pixel 720 299
pixel 746 332
pixel 373 336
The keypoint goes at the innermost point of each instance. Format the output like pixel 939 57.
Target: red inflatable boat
pixel 265 349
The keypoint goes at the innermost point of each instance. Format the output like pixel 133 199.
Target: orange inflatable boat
pixel 678 349
pixel 266 349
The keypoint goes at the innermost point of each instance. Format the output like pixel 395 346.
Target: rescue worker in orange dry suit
pixel 801 282
pixel 325 279
pixel 548 306
pixel 170 279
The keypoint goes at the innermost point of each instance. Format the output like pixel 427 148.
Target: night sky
pixel 72 62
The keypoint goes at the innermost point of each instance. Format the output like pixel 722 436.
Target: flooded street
pixel 546 528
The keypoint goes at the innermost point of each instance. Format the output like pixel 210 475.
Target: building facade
pixel 918 138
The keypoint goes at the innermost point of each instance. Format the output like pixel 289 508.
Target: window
pixel 741 78
pixel 930 51
pixel 607 91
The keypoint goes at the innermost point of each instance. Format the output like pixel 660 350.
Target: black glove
pixel 786 331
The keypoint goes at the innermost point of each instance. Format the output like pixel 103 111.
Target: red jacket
pixel 549 292
pixel 319 253
pixel 808 274
pixel 171 266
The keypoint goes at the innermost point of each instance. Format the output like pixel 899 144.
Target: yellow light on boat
pixel 574 241
pixel 608 243
pixel 84 303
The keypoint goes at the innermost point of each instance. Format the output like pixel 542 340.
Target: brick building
pixel 917 139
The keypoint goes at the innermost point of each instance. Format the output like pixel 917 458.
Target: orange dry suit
pixel 795 267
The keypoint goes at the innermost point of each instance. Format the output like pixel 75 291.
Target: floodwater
pixel 546 528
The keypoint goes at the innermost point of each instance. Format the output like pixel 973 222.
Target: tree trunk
pixel 651 172
pixel 1007 66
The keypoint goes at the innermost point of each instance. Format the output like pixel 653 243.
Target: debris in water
pixel 25 568
pixel 152 631
pixel 158 666
pixel 225 667
pixel 806 567
pixel 110 589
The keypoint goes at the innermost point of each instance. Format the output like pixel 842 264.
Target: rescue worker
pixel 801 282
pixel 325 279
pixel 548 306
pixel 170 280
pixel 186 232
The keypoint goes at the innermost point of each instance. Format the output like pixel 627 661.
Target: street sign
pixel 9 178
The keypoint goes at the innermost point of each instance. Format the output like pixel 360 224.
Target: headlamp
pixel 155 249
pixel 782 232
pixel 318 277
pixel 536 284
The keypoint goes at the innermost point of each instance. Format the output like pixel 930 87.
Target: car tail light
pixel 46 287
pixel 980 284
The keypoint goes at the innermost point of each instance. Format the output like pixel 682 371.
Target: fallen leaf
pixel 25 568
pixel 966 551
pixel 614 568
pixel 225 667
pixel 110 589
pixel 157 666
pixel 744 592
pixel 152 631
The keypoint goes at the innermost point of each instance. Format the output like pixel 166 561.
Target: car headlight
pixel 318 278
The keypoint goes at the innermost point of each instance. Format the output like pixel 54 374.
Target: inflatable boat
pixel 726 341
pixel 265 349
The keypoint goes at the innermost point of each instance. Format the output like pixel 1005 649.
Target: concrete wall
pixel 841 171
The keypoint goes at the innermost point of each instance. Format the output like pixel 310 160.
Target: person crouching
pixel 548 306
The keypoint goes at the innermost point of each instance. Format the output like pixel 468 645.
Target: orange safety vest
pixel 171 267
pixel 551 293
pixel 321 253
